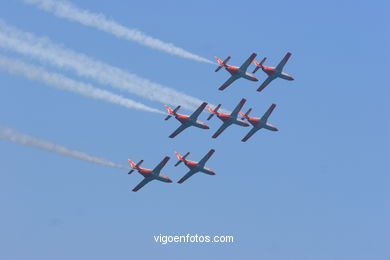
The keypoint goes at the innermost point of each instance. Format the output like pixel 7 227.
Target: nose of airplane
pixel 169 180
pixel 206 127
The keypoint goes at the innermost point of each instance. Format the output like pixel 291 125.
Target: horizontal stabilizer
pixel 181 159
pixel 213 111
pixel 246 115
pixel 134 166
pixel 258 65
pixel 222 63
pixel 171 112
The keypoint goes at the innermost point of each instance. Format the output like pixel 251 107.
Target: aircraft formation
pixel 233 118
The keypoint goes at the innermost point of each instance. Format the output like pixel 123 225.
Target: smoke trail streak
pixel 28 140
pixel 43 49
pixel 59 81
pixel 64 9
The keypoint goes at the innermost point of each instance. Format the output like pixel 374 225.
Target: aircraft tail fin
pixel 258 65
pixel 135 166
pixel 213 111
pixel 222 63
pixel 171 112
pixel 181 158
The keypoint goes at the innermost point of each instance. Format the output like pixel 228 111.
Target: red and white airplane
pixel 195 166
pixel 226 118
pixel 258 123
pixel 236 72
pixel 187 121
pixel 272 72
pixel 148 174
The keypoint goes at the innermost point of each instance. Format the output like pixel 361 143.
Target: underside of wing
pixel 248 62
pixel 265 83
pixel 198 111
pixel 178 131
pixel 238 108
pixel 142 183
pixel 206 157
pixel 283 62
pixel 161 165
pixel 251 132
pixel 268 113
pixel 185 177
pixel 228 82
pixel 220 130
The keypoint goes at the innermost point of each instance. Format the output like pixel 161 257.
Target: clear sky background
pixel 316 189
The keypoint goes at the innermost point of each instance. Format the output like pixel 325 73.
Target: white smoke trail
pixel 64 9
pixel 59 81
pixel 28 140
pixel 43 49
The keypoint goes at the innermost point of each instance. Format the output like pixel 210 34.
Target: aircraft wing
pixel 265 83
pixel 158 168
pixel 248 62
pixel 251 132
pixel 142 183
pixel 283 62
pixel 206 157
pixel 178 130
pixel 238 108
pixel 220 129
pixel 268 113
pixel 188 174
pixel 228 82
pixel 198 111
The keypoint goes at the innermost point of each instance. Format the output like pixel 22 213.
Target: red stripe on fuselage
pixel 269 70
pixel 224 117
pixel 232 70
pixel 145 172
pixel 182 118
pixel 191 164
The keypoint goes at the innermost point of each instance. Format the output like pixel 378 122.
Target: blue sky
pixel 313 190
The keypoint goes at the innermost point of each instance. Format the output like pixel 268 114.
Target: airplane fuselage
pixel 226 118
pixel 271 71
pixel 196 166
pixel 235 71
pixel 188 121
pixel 147 173
pixel 258 124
